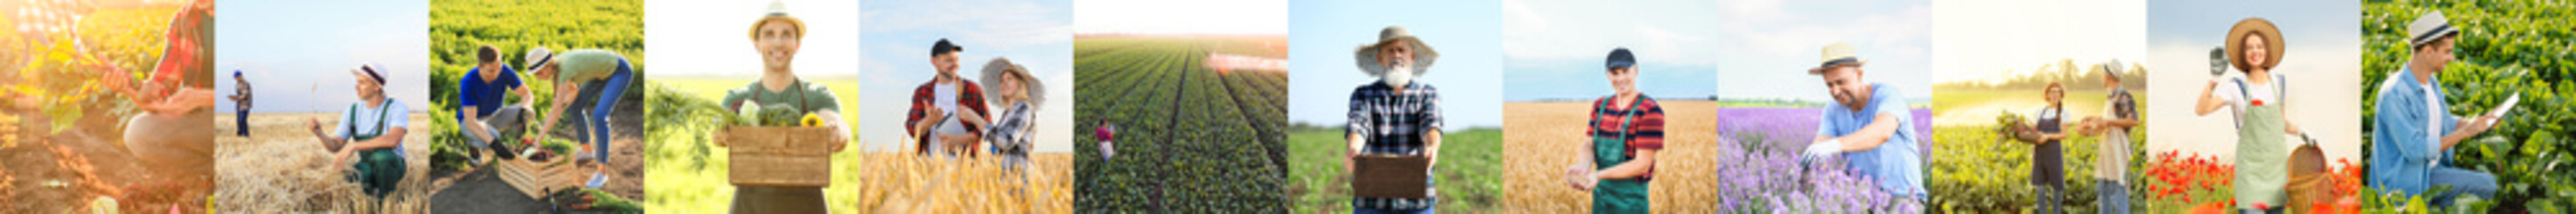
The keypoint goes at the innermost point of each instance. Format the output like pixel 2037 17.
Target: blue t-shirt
pixel 486 97
pixel 1896 164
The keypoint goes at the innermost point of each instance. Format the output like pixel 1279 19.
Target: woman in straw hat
pixel 1396 115
pixel 2254 46
pixel 1019 94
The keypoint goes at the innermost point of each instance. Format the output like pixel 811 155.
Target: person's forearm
pixel 1870 136
pixel 1356 143
pixel 2455 138
pixel 392 138
pixel 1631 169
pixel 1431 147
pixel 2208 103
pixel 2122 123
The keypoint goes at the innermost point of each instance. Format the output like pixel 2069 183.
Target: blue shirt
pixel 2409 125
pixel 486 97
pixel 1896 164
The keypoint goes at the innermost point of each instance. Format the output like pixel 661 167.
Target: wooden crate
pixel 1388 176
pixel 535 178
pixel 779 156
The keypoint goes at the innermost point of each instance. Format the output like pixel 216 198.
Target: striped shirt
pixel 1645 132
pixel 1394 122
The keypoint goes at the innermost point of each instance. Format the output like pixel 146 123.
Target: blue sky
pixel 2322 66
pixel 1766 46
pixel 298 54
pixel 708 38
pixel 894 57
pixel 1995 40
pixel 1556 49
pixel 1468 72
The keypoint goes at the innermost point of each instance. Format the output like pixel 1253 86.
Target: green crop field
pixel 1190 138
pixel 2504 47
pixel 1469 178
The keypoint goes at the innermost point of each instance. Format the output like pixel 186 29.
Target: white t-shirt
pixel 945 97
pixel 364 120
pixel 2235 96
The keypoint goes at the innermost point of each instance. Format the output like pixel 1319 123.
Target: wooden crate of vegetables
pixel 540 173
pixel 778 146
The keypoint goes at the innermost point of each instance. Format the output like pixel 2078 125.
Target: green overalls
pixel 380 170
pixel 1617 195
pixel 2260 167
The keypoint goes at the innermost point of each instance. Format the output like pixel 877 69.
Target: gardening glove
pixel 1822 150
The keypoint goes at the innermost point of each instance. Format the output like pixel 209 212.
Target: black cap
pixel 1621 58
pixel 943 47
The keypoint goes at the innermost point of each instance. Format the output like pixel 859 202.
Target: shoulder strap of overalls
pixel 1628 118
pixel 2245 94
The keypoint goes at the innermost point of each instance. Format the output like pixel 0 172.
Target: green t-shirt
pixel 804 95
pixel 585 65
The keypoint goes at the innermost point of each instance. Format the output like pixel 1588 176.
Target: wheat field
pixel 281 169
pixel 1540 134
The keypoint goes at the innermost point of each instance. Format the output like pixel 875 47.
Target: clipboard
pixel 2500 109
pixel 1390 176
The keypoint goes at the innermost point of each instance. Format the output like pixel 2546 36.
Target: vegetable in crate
pixel 747 115
pixel 779 115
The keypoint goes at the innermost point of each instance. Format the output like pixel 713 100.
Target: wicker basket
pixel 1385 176
pixel 2310 182
pixel 779 156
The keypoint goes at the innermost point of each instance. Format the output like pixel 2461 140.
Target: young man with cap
pixel 777 37
pixel 370 135
pixel 1395 115
pixel 483 110
pixel 1627 130
pixel 241 105
pixel 2111 162
pixel 947 113
pixel 594 76
pixel 2416 133
pixel 2259 100
pixel 1869 126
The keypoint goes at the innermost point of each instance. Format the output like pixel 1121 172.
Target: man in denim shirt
pixel 2414 132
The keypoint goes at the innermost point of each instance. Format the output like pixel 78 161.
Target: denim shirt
pixel 2405 132
pixel 1896 164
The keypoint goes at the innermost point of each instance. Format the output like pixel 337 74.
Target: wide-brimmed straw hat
pixel 1393 35
pixel 2271 43
pixel 1837 54
pixel 993 76
pixel 2427 28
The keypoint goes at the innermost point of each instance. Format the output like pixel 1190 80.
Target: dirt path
pixel 71 169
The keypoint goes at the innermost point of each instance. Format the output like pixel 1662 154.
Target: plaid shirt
pixel 1393 122
pixel 1646 131
pixel 1009 131
pixel 971 99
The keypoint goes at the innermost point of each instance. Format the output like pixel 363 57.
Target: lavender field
pixel 1764 142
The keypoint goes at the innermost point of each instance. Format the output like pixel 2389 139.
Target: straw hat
pixel 2427 28
pixel 1422 53
pixel 993 76
pixel 1837 54
pixel 2271 42
pixel 777 12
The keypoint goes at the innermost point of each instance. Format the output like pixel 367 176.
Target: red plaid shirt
pixel 971 99
pixel 1645 133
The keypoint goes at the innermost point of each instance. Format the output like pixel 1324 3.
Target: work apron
pixel 379 170
pixel 2260 167
pixel 1617 195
